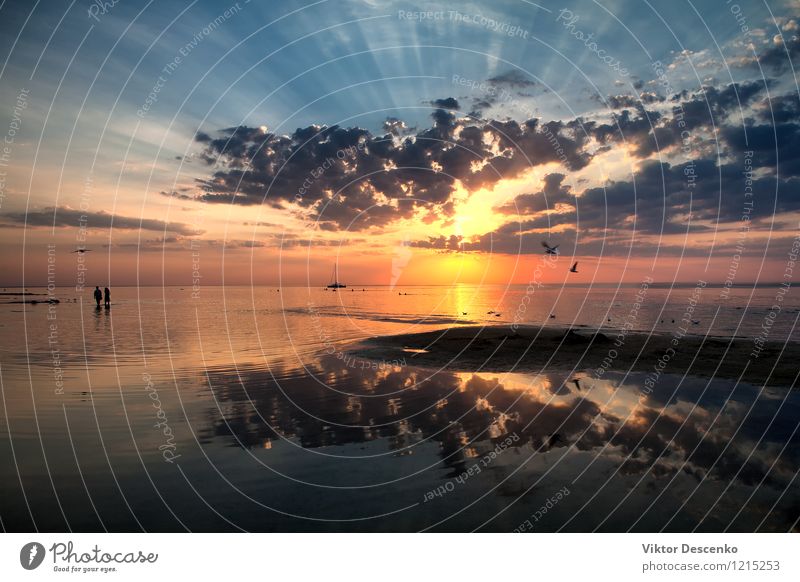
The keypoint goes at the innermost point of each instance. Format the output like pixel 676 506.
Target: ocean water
pixel 239 408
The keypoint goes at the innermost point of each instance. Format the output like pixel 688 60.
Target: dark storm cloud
pixel 449 103
pixel 781 109
pixel 722 101
pixel 775 147
pixel 773 137
pixel 632 101
pixel 638 128
pixel 648 132
pixel 778 57
pixel 662 199
pixel 70 217
pixel 348 178
pixel 658 200
pixel 712 106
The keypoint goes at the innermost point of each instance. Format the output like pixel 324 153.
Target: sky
pixel 409 143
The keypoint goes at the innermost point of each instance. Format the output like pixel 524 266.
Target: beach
pixel 531 349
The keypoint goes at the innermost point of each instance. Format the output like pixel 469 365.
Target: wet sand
pixel 534 349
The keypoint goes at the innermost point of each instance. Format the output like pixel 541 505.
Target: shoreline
pixel 533 349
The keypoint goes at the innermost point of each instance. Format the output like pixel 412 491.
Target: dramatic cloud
pixel 449 103
pixel 661 199
pixel 70 217
pixel 623 101
pixel 775 147
pixel 693 118
pixel 700 155
pixel 781 109
pixel 551 194
pixel 778 57
pixel 347 178
pixel 452 243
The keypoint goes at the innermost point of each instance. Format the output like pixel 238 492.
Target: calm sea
pixel 237 408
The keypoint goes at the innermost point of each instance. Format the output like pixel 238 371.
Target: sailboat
pixel 335 284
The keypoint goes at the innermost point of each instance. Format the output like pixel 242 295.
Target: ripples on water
pixel 275 428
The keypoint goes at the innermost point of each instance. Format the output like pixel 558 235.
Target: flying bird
pixel 548 250
pixel 574 268
pixel 577 382
pixel 82 251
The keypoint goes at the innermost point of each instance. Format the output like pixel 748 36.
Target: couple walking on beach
pixel 98 296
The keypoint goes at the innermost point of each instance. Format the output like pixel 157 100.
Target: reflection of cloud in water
pixel 673 437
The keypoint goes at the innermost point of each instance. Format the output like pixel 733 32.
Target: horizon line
pixel 323 285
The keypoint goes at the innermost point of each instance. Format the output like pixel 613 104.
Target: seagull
pixel 695 322
pixel 552 316
pixel 574 268
pixel 463 313
pixel 497 314
pixel 82 251
pixel 548 250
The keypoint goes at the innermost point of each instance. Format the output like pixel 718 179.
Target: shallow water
pixel 240 410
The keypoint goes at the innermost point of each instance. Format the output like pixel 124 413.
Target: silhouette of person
pixel 108 297
pixel 98 295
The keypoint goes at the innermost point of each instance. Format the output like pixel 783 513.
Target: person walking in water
pixel 108 297
pixel 98 295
